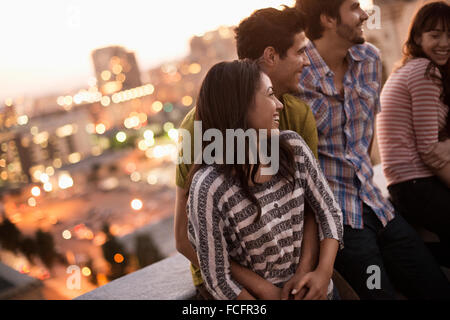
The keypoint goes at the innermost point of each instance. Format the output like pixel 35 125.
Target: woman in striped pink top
pixel 414 126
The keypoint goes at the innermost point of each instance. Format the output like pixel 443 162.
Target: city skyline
pixel 49 44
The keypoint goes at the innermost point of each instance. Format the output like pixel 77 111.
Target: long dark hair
pixel 226 95
pixel 427 19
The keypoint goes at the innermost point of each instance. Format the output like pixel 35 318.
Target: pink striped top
pixel 412 116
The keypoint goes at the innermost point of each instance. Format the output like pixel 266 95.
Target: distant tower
pixel 116 69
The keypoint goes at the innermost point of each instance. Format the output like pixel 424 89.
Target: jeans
pixel 426 203
pixel 401 260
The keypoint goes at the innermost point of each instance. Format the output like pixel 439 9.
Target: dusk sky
pixel 46 44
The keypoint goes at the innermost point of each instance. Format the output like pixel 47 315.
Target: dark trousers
pixel 398 256
pixel 425 203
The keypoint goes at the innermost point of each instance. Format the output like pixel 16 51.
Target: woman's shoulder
pixel 420 69
pixel 295 141
pixel 208 179
pixel 417 66
pixel 292 137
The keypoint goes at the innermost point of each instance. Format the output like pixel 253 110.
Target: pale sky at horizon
pixel 46 44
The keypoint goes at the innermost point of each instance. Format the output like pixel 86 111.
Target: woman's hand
pixel 438 156
pixel 286 292
pixel 315 283
pixel 273 293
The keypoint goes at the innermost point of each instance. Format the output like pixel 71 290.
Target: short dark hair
pixel 312 9
pixel 268 27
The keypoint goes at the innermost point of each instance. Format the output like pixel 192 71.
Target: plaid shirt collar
pixel 321 69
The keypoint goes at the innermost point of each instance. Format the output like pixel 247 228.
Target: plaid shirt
pixel 345 127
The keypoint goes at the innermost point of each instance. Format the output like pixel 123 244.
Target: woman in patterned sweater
pixel 238 213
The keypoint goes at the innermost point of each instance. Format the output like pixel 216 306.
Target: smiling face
pixel 286 72
pixel 436 44
pixel 351 21
pixel 265 111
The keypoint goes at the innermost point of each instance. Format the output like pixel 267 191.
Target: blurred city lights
pixel 173 134
pixel 74 157
pixel 135 176
pixel 157 106
pixel 31 202
pixel 168 126
pixel 136 204
pixel 105 101
pixel 187 101
pixel 22 120
pixel 65 181
pixel 86 271
pixel 152 179
pixel 44 178
pixel 121 136
pixel 195 68
pixel 118 258
pixel 66 234
pixel 48 187
pixel 100 128
pixel 149 135
pixel 142 145
pixel 36 191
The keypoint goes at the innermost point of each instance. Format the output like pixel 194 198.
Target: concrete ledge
pixel 169 279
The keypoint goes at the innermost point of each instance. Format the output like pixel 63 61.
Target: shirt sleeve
pixel 379 74
pixel 206 233
pixel 182 169
pixel 425 100
pixel 317 192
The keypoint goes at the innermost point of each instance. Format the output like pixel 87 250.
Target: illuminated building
pixel 116 69
pixel 43 145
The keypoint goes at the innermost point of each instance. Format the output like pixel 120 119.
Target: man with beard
pixel 342 86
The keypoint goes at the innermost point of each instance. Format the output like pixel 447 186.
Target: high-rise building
pixel 116 69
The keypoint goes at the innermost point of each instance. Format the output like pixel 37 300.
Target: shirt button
pixel 276 205
pixel 329 74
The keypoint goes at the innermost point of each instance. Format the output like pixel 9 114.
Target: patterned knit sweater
pixel 222 224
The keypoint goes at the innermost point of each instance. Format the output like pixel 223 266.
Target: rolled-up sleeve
pixel 318 193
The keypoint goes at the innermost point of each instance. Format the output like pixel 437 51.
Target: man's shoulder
pixel 188 121
pixel 292 101
pixel 296 113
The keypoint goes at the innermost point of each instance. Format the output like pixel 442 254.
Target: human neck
pixel 333 51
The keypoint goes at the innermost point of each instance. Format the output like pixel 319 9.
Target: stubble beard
pixel 347 32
